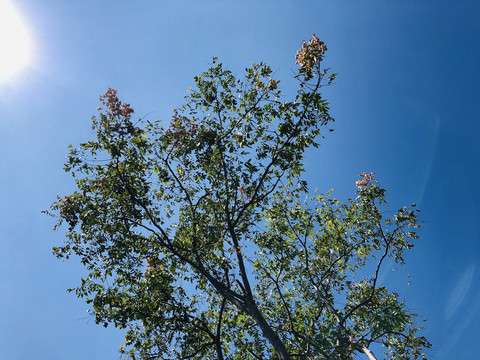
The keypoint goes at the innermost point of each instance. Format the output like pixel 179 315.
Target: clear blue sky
pixel 405 103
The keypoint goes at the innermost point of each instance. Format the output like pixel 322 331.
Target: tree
pixel 200 239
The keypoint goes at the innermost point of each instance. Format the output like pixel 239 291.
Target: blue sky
pixel 405 105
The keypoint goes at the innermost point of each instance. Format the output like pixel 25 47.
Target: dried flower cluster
pixel 366 178
pixel 311 53
pixel 114 106
pixel 180 129
pixel 272 84
pixel 153 266
pixel 243 194
pixel 67 210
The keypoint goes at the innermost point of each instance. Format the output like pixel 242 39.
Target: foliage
pixel 199 241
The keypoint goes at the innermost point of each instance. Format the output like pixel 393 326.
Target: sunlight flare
pixel 14 42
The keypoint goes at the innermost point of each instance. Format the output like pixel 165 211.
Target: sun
pixel 15 43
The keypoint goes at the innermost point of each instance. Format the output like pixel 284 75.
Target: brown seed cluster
pixel 311 53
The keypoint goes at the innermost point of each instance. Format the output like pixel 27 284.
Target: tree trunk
pixel 369 353
pixel 268 332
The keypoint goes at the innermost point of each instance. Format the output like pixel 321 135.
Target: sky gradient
pixel 405 104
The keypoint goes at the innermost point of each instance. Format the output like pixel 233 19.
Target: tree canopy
pixel 202 240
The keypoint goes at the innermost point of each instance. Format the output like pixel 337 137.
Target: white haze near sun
pixel 15 43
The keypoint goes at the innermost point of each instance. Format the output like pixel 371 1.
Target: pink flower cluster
pixel 114 106
pixel 366 178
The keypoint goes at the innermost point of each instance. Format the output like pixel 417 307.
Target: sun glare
pixel 14 42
